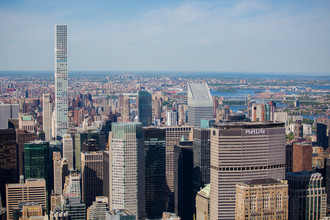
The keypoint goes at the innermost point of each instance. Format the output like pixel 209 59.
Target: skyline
pixel 216 36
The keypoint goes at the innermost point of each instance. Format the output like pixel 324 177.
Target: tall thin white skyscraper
pixel 47 116
pixel 61 80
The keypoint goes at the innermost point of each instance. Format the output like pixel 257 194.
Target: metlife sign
pixel 255 131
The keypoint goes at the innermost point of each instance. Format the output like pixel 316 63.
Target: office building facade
pixel 203 203
pixel 33 190
pixel 200 103
pixel 302 156
pixel 173 136
pixel 155 171
pixel 242 151
pixel 307 196
pixel 92 176
pixel 68 151
pixel 126 167
pixel 8 160
pixel 183 177
pixel 7 111
pixel 22 137
pixel 262 199
pixel 61 80
pixel 144 102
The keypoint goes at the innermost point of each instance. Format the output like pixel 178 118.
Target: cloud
pixel 193 35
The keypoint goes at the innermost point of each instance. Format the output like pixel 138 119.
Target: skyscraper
pixel 201 148
pixel 34 190
pixel 155 175
pixel 307 196
pixel 92 176
pixel 173 136
pixel 68 149
pixel 183 178
pixel 8 160
pixel 242 151
pixel 61 80
pixel 37 163
pixel 7 111
pixel 144 101
pixel 47 111
pixel 22 137
pixel 57 171
pixel 36 160
pixel 200 103
pixel 126 155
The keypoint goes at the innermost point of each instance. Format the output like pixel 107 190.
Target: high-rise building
pixel 91 175
pixel 8 160
pixel 201 148
pixel 242 151
pixel 36 164
pixel 33 190
pixel 144 102
pixel 61 80
pixel 183 180
pixel 173 136
pixel 298 129
pixel 203 203
pixel 26 123
pixel 302 156
pixel 307 197
pixel 200 103
pixel 97 211
pixel 36 160
pixel 80 137
pixel 126 153
pixel 321 133
pixel 68 149
pixel 155 171
pixel 47 111
pixel 55 201
pixel 126 115
pixel 171 118
pixel 258 112
pixel 57 171
pixel 262 199
pixel 72 186
pixel 106 180
pixel 75 208
pixel 7 111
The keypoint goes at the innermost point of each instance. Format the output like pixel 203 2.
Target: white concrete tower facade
pixel 61 80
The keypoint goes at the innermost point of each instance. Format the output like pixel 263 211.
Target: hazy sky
pixel 206 35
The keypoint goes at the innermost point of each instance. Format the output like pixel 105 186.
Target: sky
pixel 169 35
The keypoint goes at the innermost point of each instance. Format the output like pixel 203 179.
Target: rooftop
pixel 199 95
pixel 26 118
pixel 250 124
pixel 262 182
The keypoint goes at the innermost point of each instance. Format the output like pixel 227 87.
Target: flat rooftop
pixel 240 125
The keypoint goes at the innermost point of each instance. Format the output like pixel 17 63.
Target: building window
pixel 278 201
pixel 266 201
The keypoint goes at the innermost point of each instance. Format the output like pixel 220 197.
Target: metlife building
pixel 243 151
